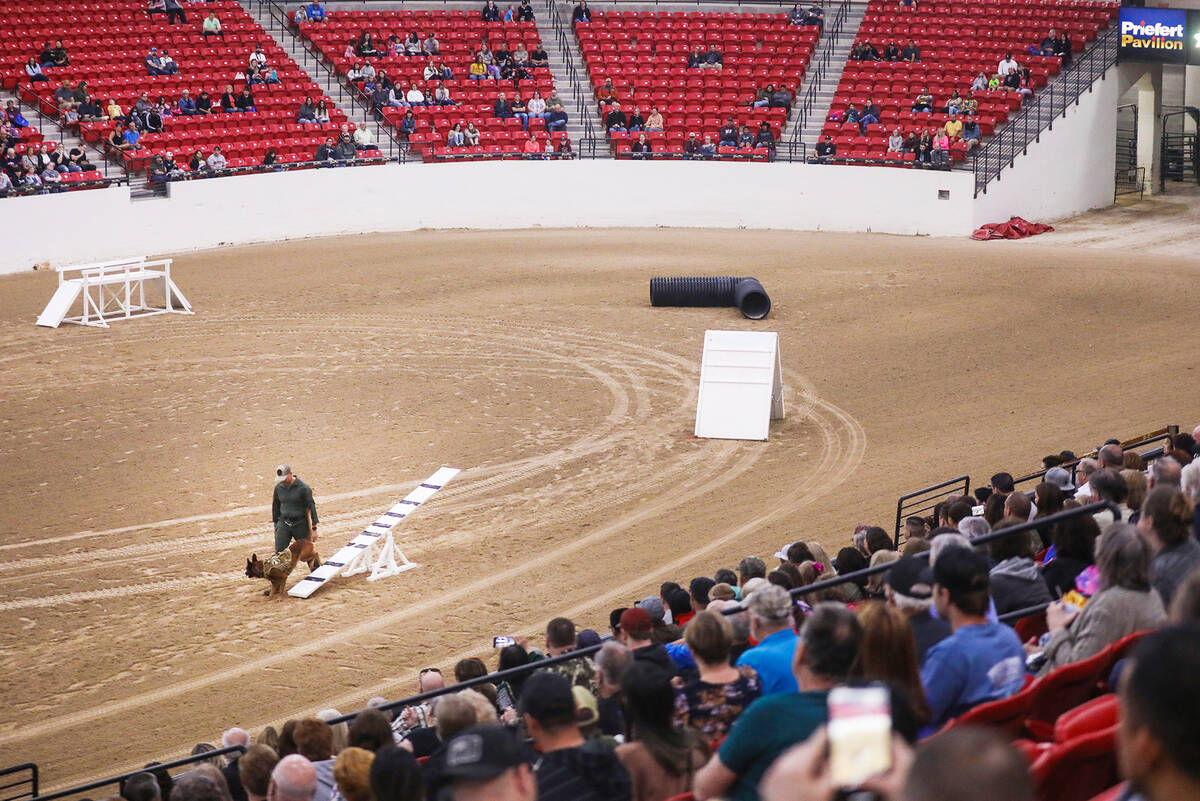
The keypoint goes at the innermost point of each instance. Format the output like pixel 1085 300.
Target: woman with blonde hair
pixel 821 558
pixel 877 584
pixel 269 737
pixel 352 774
pixel 1135 483
pixel 887 652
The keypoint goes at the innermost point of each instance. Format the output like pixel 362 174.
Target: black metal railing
pixel 1039 114
pixel 927 499
pixel 814 76
pixel 28 100
pixel 1179 146
pixel 111 780
pixel 18 782
pixel 581 84
pixel 1136 444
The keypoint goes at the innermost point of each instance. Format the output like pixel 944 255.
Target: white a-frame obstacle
pixel 375 548
pixel 113 290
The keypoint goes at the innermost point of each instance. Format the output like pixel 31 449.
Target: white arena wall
pixel 1068 171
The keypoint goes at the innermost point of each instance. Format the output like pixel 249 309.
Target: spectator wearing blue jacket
pixel 186 105
pixel 981 661
pixel 315 12
pixel 556 119
pixel 770 610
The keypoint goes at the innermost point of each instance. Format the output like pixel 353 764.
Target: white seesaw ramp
pixel 375 548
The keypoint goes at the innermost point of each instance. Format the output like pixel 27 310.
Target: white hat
pixel 282 471
pixel 782 552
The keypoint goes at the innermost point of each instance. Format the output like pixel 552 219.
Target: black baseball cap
pixel 911 577
pixel 961 570
pixel 547 695
pixel 481 752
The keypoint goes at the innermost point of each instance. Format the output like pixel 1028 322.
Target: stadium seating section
pixel 107 44
pixel 645 55
pixel 957 40
pixel 459 34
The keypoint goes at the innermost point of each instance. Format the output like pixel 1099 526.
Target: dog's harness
pixel 279 564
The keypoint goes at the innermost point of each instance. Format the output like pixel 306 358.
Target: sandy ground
pixel 138 461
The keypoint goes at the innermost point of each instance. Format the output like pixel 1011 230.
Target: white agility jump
pixel 113 290
pixel 375 548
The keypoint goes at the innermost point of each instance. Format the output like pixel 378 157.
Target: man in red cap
pixel 637 632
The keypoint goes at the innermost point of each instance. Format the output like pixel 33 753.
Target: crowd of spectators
pixel 720 687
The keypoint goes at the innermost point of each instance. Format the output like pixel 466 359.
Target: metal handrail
pixel 31 780
pixel 188 760
pixel 926 501
pixel 28 99
pixel 1048 105
pixel 564 37
pixel 818 68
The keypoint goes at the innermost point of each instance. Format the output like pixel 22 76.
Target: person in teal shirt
pixel 826 649
pixel 293 511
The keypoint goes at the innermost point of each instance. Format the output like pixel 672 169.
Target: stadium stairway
pixel 52 131
pixel 321 75
pixel 567 87
pixel 827 84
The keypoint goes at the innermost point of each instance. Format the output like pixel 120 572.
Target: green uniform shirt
pixel 291 503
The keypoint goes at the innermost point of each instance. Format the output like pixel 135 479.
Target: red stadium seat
pixel 1061 690
pixel 1078 769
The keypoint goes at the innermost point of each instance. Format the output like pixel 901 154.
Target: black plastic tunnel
pixel 745 293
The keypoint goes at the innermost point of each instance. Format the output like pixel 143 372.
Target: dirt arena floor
pixel 138 462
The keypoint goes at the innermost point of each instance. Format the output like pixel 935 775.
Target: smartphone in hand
pixel 860 734
pixel 503 642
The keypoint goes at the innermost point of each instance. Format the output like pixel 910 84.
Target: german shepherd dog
pixel 277 568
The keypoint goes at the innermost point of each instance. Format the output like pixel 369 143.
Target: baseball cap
pixel 481 752
pixel 587 709
pixel 282 471
pixel 587 638
pixel 961 570
pixel 547 695
pixel 1060 478
pixel 653 606
pixel 911 577
pixel 636 621
pixel 782 552
pixel 771 602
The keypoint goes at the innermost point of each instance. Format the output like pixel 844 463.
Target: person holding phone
pixel 824 653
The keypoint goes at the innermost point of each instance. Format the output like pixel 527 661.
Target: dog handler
pixel 293 510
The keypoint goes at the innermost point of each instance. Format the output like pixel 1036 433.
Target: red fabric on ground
pixel 1015 228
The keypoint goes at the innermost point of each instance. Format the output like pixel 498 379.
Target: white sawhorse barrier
pixel 113 289
pixel 375 548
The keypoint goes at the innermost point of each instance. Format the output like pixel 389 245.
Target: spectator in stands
pixel 345 151
pixel 271 159
pixel 228 101
pixel 364 46
pixel 1050 44
pixel 713 60
pixel 470 135
pixel 1166 523
pixel 696 57
pixel 616 121
pixel 727 136
pixel 519 110
pixel 477 70
pixel 571 768
pixel 712 700
pixel 1073 541
pixel 825 150
pixel 891 52
pixel 655 121
pixel 296 778
pixel 245 101
pixel 204 103
pixel 556 118
pixel 980 661
pixel 815 15
pixel 824 653
pixel 910 590
pixel 58 55
pixel 895 144
pixel 364 140
pixel 307 112
pixel 212 26
pixel 64 94
pixel 414 96
pixel 924 102
pixel 995 83
pixel 34 71
pixel 408 126
pixel 160 64
pixel 491 12
pixel 745 141
pixel 324 154
pixel 1016 583
pixel 139 786
pixel 186 105
pixel 637 633
pixel 524 12
pixel 314 742
pixel 797 15
pixel 1126 602
pixel 538 57
pixel 315 12
pixel 532 149
pixel 1025 85
pixel 771 627
pixel 911 53
pixel 216 159
pixel 254 771
pixel 661 758
pixel 1064 50
pixel 780 98
pixel 765 137
pixel 1007 65
pixel 502 109
pixel 636 121
pixel 322 111
pixel 581 13
pixel 980 84
pixel 131 137
pixel 887 653
pixel 864 51
pixel 1158 749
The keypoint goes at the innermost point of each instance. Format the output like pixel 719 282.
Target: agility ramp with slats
pixel 375 549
